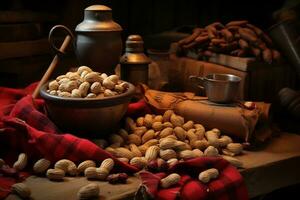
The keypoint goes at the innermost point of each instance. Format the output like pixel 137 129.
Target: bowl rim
pixel 209 77
pixel 88 102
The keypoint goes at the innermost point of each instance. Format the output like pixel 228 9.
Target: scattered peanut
pixel 107 164
pixel 176 120
pixel 102 173
pixel 167 154
pixel 139 162
pixel 167 115
pixel 207 175
pixel 90 173
pixel 197 152
pixel 235 148
pixel 123 152
pixel 234 161
pixel 21 163
pixel 126 160
pixel 188 125
pixel 85 164
pixel 140 121
pixel 224 141
pixel 172 161
pixel 150 134
pixel 186 154
pixel 148 120
pixel 21 190
pixel 41 166
pixel 152 153
pixel 170 180
pixel 211 151
pixel 67 166
pixel 135 150
pixel 55 174
pixel 88 191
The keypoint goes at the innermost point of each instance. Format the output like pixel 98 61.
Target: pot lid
pixel 98 18
pixel 98 7
pixel 134 52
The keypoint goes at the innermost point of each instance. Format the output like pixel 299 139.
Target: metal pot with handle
pixel 98 42
pixel 219 88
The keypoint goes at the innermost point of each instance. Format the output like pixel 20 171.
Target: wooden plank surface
pixel 274 167
pixel 270 168
pixel 235 62
pixel 44 189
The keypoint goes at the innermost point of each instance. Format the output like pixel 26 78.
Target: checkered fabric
pixel 25 128
pixel 229 184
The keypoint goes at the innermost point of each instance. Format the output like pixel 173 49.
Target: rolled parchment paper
pixel 232 119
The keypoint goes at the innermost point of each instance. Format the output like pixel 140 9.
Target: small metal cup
pixel 219 88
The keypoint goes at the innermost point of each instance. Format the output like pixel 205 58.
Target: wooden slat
pixel 22 16
pixel 24 48
pixel 20 32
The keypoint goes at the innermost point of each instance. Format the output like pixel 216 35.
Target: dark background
pixel 153 16
pixel 29 21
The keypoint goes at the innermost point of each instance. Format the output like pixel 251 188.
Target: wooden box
pixel 260 81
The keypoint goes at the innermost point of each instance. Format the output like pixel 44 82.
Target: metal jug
pixel 98 42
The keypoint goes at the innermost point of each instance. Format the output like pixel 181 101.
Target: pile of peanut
pixel 150 142
pixel 85 83
pixel 168 138
pixel 236 38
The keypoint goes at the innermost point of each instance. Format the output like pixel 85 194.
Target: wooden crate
pixel 260 81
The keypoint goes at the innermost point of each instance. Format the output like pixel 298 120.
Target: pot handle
pixel 50 37
pixel 197 80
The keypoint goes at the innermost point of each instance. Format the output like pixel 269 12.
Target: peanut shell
pixel 88 191
pixel 41 166
pixel 21 190
pixel 170 180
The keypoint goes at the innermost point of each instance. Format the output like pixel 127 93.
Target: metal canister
pixel 134 63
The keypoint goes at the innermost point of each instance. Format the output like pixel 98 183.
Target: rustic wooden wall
pixel 153 16
pixel 29 22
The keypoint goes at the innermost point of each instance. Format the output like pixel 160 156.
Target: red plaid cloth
pixel 229 185
pixel 24 128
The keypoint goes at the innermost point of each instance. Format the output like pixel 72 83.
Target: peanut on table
pixel 151 142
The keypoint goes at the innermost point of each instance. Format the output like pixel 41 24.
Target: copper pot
pixel 98 42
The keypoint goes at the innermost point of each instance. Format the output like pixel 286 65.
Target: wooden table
pixel 273 167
